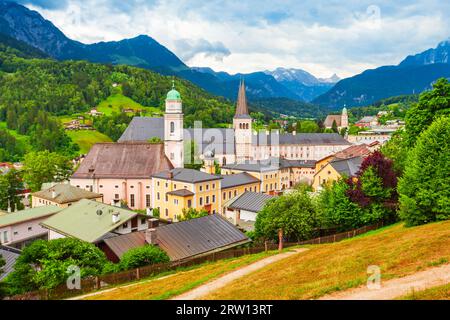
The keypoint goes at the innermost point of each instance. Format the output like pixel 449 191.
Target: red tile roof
pixel 354 151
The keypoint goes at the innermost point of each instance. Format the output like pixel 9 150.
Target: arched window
pixel 247 126
pixel 224 161
pixel 240 125
pixel 172 127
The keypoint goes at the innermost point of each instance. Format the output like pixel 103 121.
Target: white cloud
pixel 247 36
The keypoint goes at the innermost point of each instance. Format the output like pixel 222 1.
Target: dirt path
pixel 226 279
pixel 396 288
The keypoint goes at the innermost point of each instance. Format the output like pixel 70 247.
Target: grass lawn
pixel 324 269
pixel 114 102
pixel 165 287
pixel 436 293
pixel 22 140
pixel 87 138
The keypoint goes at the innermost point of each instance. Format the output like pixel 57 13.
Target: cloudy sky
pixel 322 37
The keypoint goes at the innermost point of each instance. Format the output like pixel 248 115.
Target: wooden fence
pixel 92 284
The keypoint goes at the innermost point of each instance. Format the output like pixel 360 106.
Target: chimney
pixel 115 217
pixel 153 223
pixel 151 236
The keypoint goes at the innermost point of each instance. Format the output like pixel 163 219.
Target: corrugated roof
pixel 239 179
pixel 185 239
pixel 186 175
pixel 84 221
pixel 65 193
pixel 123 160
pixel 27 215
pixel 123 243
pixel 10 256
pixel 198 236
pixel 347 167
pixel 250 201
pixel 181 193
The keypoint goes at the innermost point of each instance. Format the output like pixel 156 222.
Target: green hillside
pixel 38 95
pixel 85 139
pixel 321 270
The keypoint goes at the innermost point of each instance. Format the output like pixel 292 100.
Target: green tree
pixel 432 104
pixel 396 150
pixel 155 140
pixel 425 186
pixel 45 264
pixel 44 166
pixel 292 215
pixel 10 185
pixel 336 209
pixel 143 256
pixel 334 127
pixel 192 213
pixel 307 126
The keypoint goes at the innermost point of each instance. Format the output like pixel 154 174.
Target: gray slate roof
pixel 198 236
pixel 239 179
pixel 250 201
pixel 10 256
pixel 221 140
pixel 186 175
pixel 270 165
pixel 255 166
pixel 142 129
pixel 347 167
pixel 305 139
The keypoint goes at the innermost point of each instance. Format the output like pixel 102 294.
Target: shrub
pixel 44 264
pixel 143 256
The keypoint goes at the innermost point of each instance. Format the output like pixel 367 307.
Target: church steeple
pixel 241 107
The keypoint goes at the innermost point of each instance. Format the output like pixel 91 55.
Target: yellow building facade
pixel 180 189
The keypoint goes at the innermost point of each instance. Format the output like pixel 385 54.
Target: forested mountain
pixel 142 51
pixel 413 75
pixel 34 89
pixel 373 85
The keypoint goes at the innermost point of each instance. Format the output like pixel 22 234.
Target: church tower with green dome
pixel 173 128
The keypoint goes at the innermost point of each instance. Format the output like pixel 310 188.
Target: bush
pixel 44 264
pixel 143 256
pixel 294 214
pixel 425 186
pixel 336 208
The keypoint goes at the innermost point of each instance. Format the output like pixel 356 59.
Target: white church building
pixel 240 143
